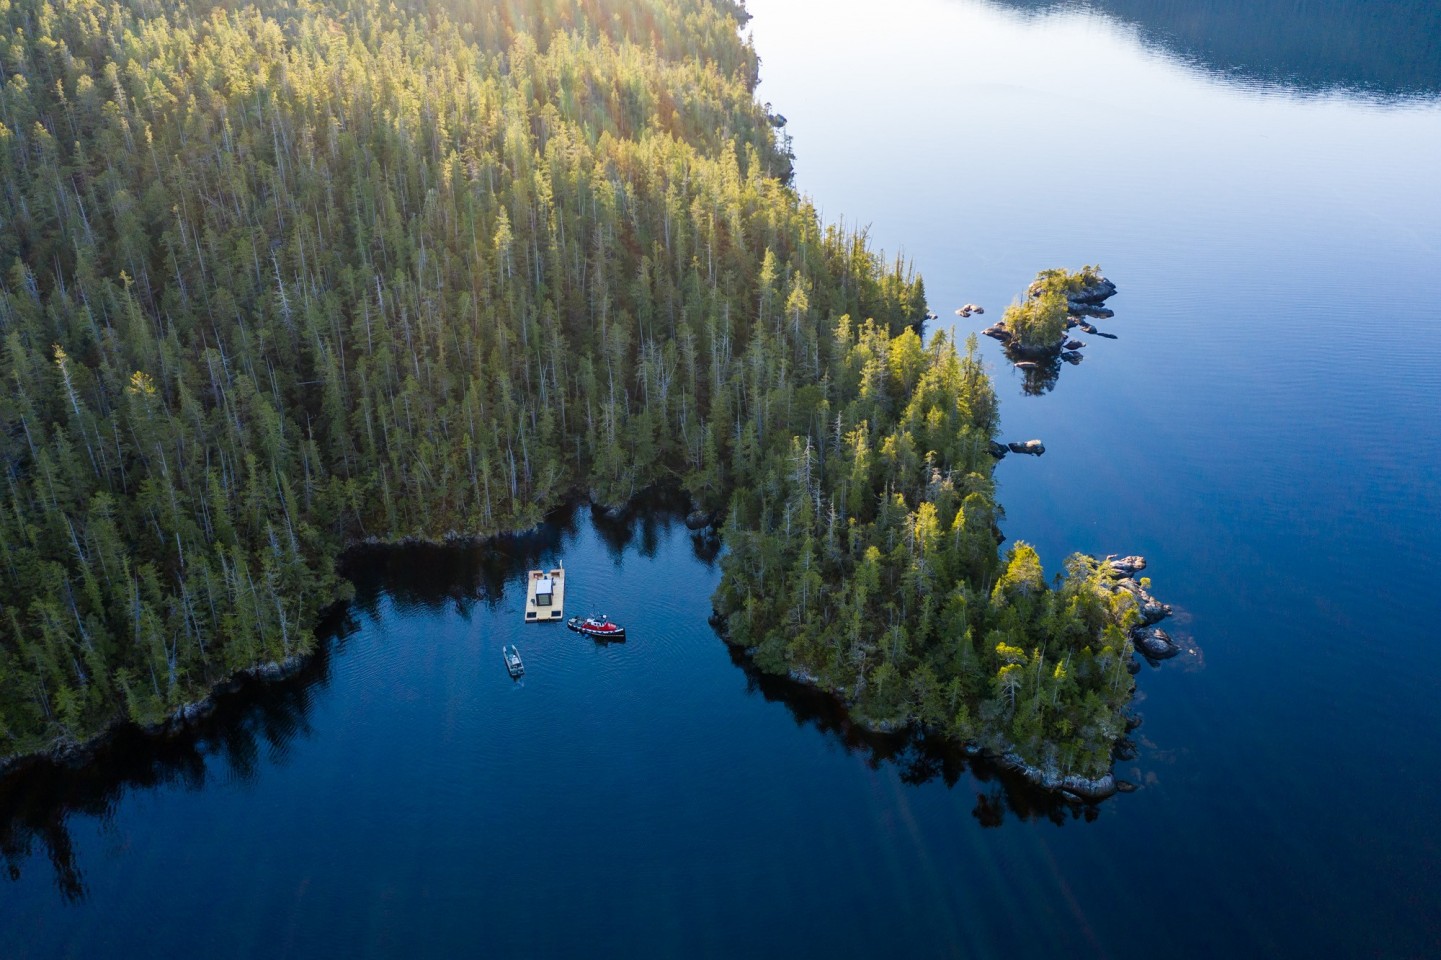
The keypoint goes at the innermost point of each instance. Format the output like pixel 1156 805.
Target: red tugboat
pixel 599 627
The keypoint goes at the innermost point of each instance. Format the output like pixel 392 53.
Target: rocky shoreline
pixel 1047 778
pixel 1150 642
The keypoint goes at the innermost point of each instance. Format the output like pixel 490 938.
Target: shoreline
pixel 1003 755
pixel 662 498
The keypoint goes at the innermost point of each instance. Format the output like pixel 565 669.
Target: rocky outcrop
pixel 277 669
pixel 997 450
pixel 968 309
pixel 1149 640
pixel 1121 567
pixel 699 519
pixel 1151 609
pixel 1051 778
pixel 998 331
pixel 1075 344
pixel 1015 350
pixel 1071 357
pixel 1034 447
pixel 1155 643
pixel 1098 292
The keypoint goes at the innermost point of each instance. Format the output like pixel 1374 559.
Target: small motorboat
pixel 512 661
pixel 598 627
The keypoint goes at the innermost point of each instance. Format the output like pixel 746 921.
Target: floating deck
pixel 545 596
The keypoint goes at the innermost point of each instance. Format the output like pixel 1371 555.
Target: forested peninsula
pixel 282 276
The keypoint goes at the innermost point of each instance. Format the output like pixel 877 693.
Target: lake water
pixel 1265 430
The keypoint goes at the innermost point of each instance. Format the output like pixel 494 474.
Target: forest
pixel 282 276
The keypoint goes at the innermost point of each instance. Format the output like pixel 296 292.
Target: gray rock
pixel 1155 643
pixel 1051 779
pixel 997 450
pixel 1034 447
pixel 1153 610
pixel 1075 344
pixel 1126 566
pixel 1097 292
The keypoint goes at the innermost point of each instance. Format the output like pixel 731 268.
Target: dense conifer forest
pixel 279 276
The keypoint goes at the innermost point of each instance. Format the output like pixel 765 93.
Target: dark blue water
pixel 1265 430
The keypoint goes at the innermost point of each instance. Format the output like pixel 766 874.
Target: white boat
pixel 512 660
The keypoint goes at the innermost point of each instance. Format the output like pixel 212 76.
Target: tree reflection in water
pixel 919 759
pixel 250 715
pixel 255 721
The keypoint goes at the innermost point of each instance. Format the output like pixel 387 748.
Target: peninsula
pixel 282 277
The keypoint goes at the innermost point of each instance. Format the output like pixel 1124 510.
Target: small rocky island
pixel 1036 332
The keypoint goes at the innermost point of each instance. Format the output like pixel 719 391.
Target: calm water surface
pixel 1265 429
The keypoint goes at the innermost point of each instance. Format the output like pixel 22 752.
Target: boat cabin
pixel 545 595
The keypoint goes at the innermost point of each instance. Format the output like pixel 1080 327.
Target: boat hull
pixel 596 631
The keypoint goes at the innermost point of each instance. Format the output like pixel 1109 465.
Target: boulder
pixel 1155 643
pixel 1075 344
pixel 997 450
pixel 1034 447
pixel 1097 292
pixel 1108 336
pixel 1072 357
pixel 1153 610
pixel 1126 566
pixel 1087 327
pixel 997 331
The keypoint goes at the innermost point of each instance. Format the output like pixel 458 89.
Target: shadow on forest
pixel 1000 791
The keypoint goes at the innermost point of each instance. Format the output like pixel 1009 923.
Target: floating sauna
pixel 545 596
